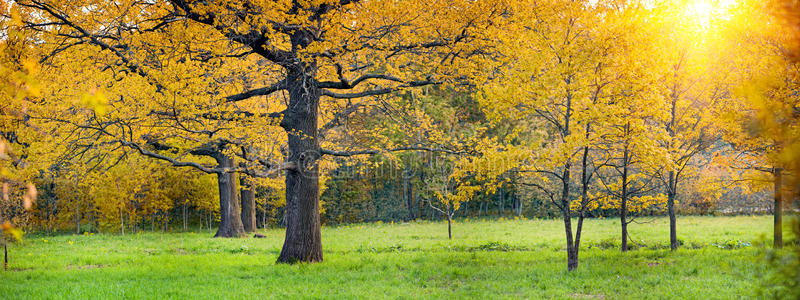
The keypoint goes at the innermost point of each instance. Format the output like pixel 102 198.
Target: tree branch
pixel 264 91
pixel 378 92
pixel 379 151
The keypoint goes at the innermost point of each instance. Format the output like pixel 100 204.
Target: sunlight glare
pixel 703 12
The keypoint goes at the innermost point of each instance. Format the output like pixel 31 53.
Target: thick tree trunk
pixel 303 242
pixel 230 224
pixel 777 210
pixel 248 207
pixel 671 192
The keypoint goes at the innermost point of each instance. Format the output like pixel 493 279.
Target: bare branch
pixel 346 84
pixel 264 91
pixel 379 151
pixel 378 92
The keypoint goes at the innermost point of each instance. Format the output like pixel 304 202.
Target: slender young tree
pixel 564 78
pixel 689 95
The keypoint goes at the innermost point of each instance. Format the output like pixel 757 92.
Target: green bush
pixel 731 244
pixel 609 243
pixel 497 246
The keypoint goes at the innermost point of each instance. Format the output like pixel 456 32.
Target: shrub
pixel 731 244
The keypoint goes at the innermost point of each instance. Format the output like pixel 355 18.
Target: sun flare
pixel 701 10
pixel 705 12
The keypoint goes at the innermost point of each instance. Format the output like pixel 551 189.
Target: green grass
pixel 486 259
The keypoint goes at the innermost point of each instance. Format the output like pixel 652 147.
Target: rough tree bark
pixel 303 242
pixel 248 195
pixel 230 224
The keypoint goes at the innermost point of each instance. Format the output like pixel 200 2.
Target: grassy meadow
pixel 486 259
